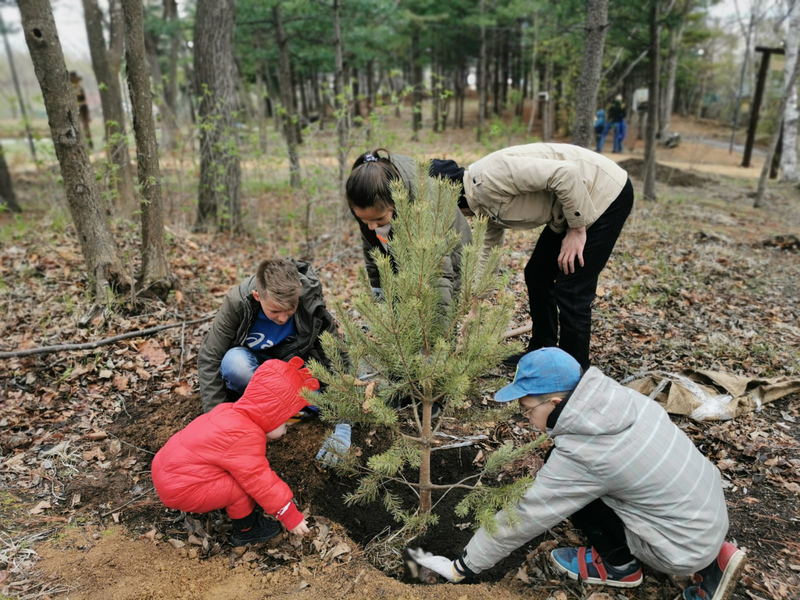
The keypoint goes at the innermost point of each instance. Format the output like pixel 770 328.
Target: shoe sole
pixel 595 580
pixel 730 576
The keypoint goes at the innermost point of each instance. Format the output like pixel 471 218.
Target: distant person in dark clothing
pixel 83 108
pixel 615 121
pixel 616 118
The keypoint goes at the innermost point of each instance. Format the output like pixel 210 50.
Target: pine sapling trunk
pixel 425 464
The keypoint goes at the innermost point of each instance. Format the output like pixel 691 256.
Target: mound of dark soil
pixel 665 174
pixel 293 459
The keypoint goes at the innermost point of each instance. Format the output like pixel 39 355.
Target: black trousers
pixel 605 532
pixel 603 528
pixel 565 300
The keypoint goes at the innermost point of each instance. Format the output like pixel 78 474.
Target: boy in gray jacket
pixel 625 475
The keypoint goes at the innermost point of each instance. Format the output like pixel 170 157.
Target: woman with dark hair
pixel 369 195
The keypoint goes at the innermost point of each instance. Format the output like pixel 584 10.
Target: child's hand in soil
pixel 301 528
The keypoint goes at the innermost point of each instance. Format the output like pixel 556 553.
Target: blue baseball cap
pixel 542 371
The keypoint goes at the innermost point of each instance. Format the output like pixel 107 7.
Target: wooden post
pixel 763 70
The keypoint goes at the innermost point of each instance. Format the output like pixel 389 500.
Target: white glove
pixel 441 565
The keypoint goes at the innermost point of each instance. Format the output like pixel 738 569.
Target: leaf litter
pixel 701 284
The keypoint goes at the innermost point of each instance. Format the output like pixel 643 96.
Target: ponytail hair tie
pixel 370 158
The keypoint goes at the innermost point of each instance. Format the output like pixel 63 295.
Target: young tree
pixel 8 200
pixel 215 73
pixel 155 277
pixel 596 25
pixel 83 197
pixel 106 71
pixel 419 352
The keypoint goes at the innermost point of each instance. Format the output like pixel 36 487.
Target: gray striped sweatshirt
pixel 615 444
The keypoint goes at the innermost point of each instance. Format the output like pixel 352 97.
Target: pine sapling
pixel 410 348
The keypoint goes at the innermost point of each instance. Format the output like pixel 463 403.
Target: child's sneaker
pixel 716 581
pixel 583 564
pixel 263 531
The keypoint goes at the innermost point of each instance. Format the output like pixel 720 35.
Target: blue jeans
pixel 237 368
pixel 618 128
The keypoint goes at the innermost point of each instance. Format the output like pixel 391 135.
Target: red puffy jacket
pixel 218 460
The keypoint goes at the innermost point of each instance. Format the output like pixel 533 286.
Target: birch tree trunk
pixel 596 25
pixel 652 103
pixel 789 169
pixel 155 277
pixel 8 200
pixel 91 220
pixel 111 102
pixel 215 72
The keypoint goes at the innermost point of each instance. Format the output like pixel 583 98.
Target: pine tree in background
pixel 419 353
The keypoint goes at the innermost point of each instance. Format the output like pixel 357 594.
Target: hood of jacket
pixel 582 414
pixel 272 397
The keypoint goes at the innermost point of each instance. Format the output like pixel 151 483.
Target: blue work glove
pixel 336 446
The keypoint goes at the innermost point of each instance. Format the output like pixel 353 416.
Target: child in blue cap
pixel 624 474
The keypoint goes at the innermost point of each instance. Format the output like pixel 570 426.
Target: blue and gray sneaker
pixel 584 564
pixel 716 581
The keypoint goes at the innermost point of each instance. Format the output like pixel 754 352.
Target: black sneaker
pixel 263 531
pixel 513 360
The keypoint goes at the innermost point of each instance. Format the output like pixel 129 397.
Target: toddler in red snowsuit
pixel 218 460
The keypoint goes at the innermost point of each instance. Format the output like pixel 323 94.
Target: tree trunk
pixel 547 109
pixel 262 94
pixel 675 37
pixel 111 101
pixel 790 115
pixel 83 197
pixel 596 24
pixel 355 94
pixel 339 102
pixel 215 83
pixel 791 85
pixel 8 200
pixel 425 503
pixel 482 79
pixel 496 74
pixel 370 86
pixel 287 97
pixel 652 104
pixel 169 115
pixel 17 89
pixel 534 74
pixel 416 83
pixel 436 96
pixel 155 277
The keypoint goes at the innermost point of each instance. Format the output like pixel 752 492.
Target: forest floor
pixel 699 279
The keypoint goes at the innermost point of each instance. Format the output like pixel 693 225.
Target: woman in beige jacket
pixel 583 198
